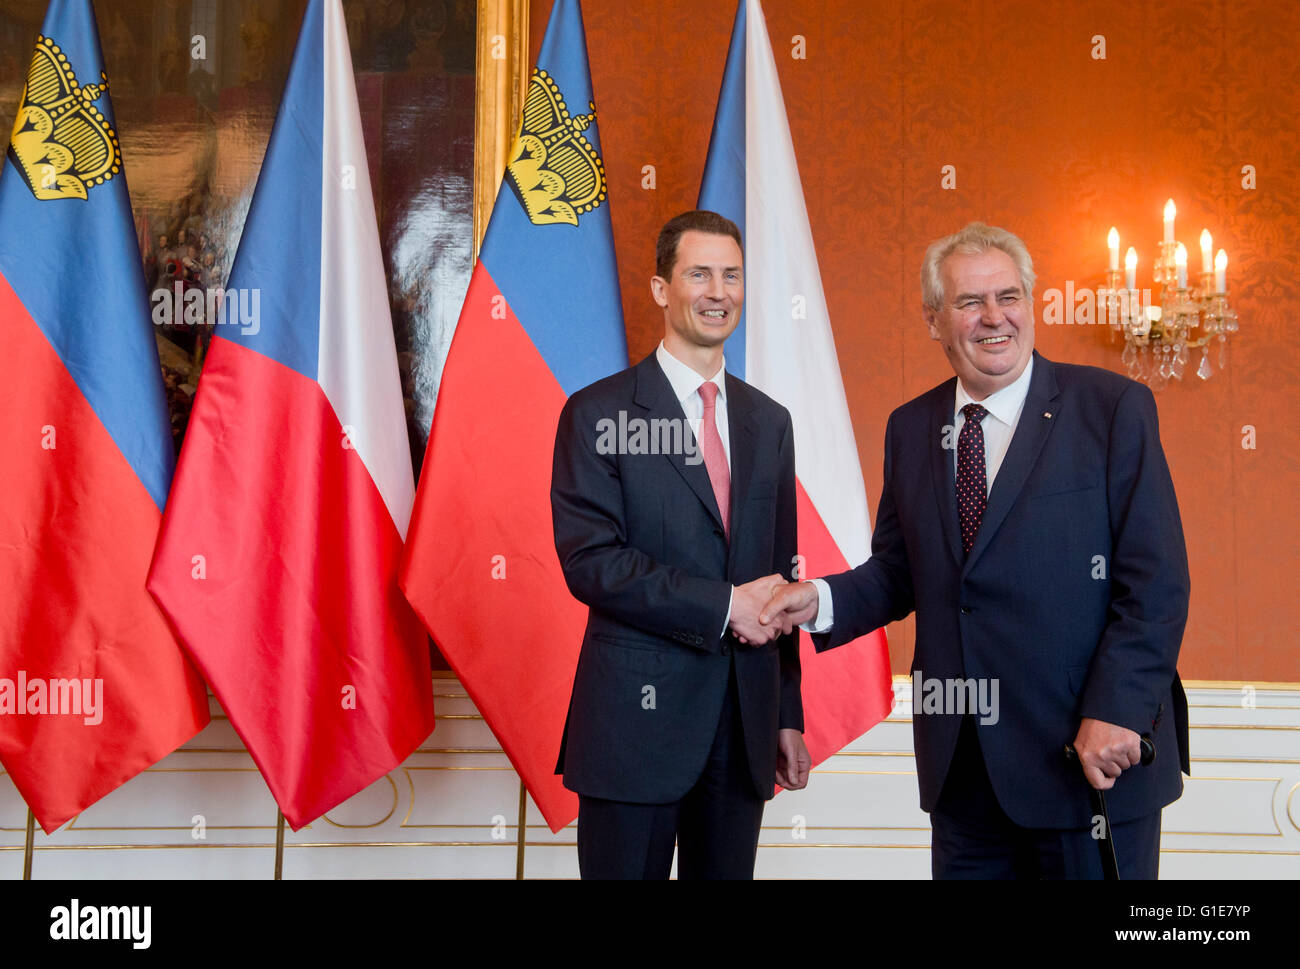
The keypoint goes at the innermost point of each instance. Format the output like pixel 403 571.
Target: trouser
pixel 974 838
pixel 715 825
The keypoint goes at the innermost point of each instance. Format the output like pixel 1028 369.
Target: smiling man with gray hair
pixel 1029 519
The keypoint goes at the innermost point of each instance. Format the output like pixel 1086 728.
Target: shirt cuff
pixel 825 617
pixel 726 622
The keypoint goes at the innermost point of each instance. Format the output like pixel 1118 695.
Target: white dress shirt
pixel 1004 407
pixel 686 385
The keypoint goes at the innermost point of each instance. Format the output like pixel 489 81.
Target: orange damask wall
pixel 1056 146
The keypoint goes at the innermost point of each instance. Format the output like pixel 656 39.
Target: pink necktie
pixel 715 458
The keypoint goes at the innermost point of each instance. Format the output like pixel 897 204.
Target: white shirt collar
pixel 1004 404
pixel 684 380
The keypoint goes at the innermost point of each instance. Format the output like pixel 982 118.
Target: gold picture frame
pixel 501 82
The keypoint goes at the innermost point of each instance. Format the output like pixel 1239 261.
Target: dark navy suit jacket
pixel 1066 633
pixel 641 543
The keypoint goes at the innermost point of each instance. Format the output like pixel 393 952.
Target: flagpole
pixel 279 844
pixel 28 848
pixel 519 849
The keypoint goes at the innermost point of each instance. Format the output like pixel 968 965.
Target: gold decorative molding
pixel 501 82
pixel 263 845
pixel 1224 851
pixel 835 844
pixel 456 787
pixel 1280 686
pixel 1246 760
pixel 1238 706
pixel 1272 814
pixel 373 824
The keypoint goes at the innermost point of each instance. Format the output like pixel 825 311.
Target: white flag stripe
pixel 358 360
pixel 793 360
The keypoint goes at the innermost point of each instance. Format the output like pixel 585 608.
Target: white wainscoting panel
pixel 451 810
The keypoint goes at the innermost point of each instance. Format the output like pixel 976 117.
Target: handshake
pixel 770 607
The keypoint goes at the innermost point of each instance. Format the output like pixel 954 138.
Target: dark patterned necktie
pixel 971 489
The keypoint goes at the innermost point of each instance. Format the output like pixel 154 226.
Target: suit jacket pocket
pixel 629 653
pixel 635 642
pixel 1062 485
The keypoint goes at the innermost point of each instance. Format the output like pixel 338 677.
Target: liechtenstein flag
pixel 277 564
pixel 784 347
pixel 93 687
pixel 542 318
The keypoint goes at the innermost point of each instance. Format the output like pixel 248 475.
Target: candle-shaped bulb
pixel 1180 261
pixel 1171 210
pixel 1221 272
pixel 1207 247
pixel 1130 268
pixel 1112 243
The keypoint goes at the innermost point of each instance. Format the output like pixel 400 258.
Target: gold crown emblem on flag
pixel 61 142
pixel 555 170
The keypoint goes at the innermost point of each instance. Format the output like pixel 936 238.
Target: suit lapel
pixel 741 435
pixel 1039 415
pixel 941 465
pixel 655 394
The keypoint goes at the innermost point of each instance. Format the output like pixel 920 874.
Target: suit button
pixel 966 610
pixel 699 640
pixel 726 649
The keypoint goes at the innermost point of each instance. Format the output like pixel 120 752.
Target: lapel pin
pixel 1047 413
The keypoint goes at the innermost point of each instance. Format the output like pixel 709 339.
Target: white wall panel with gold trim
pixel 451 810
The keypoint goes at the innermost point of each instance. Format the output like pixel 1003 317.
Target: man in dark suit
pixel 673 501
pixel 1046 566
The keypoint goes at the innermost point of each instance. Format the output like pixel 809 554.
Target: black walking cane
pixel 1106 844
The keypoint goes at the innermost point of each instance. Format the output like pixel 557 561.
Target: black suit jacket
pixel 1074 595
pixel 641 543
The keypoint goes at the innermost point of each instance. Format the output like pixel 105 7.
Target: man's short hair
pixel 697 220
pixel 974 239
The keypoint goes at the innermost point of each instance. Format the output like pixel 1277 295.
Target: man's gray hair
pixel 974 239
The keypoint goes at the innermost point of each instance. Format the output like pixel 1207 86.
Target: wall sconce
pixel 1158 340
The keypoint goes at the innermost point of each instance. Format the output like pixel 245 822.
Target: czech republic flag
pixel 785 348
pixel 277 564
